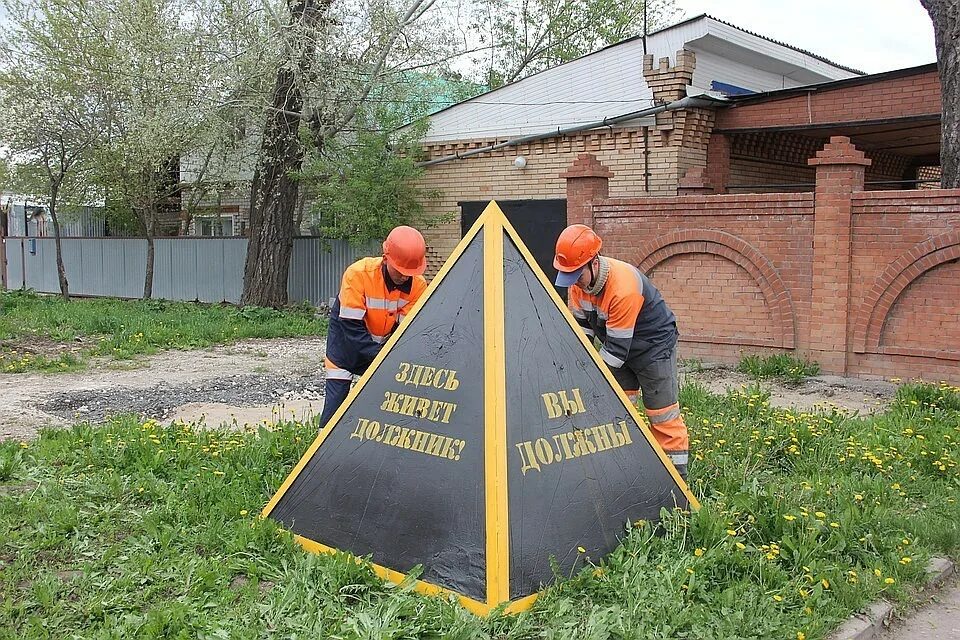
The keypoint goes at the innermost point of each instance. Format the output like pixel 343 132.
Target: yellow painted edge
pixel 522 604
pixel 335 418
pixel 532 263
pixel 495 418
pixel 473 606
pixel 426 588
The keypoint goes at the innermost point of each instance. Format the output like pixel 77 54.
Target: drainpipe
pixel 646 157
pixel 690 102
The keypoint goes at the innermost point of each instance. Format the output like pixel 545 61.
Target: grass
pixel 150 531
pixel 44 333
pixel 784 366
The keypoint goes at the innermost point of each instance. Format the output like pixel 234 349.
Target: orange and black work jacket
pixel 629 317
pixel 365 313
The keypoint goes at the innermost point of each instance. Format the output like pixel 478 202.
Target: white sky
pixel 870 35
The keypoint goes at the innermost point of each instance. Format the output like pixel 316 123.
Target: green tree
pixel 366 187
pixel 49 123
pixel 522 37
pixel 336 57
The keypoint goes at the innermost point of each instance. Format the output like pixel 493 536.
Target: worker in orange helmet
pixel 618 304
pixel 375 295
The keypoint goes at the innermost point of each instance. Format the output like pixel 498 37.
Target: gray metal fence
pixel 204 269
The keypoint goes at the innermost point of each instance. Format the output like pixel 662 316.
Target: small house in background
pixel 757 110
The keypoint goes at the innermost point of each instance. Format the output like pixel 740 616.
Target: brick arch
pixel 898 275
pixel 741 253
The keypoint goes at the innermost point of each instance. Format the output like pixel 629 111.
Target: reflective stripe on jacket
pixel 367 310
pixel 629 317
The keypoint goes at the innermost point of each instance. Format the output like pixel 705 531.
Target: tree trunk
pixel 61 271
pixel 148 277
pixel 273 196
pixel 945 15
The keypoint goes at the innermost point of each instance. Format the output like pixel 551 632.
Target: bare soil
pixel 251 381
pixel 261 380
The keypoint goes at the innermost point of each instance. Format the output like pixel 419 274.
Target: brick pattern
pixel 865 282
pixel 701 286
pixel 778 158
pixel 919 312
pixel 765 242
pixel 761 272
pixel 840 171
pixel 667 150
pixel 906 244
pixel 897 97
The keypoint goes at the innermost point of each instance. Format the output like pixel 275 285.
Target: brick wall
pixel 906 252
pixel 864 282
pixel 736 269
pixel 899 94
pixel 675 143
pixel 778 158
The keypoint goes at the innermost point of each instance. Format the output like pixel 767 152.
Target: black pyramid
pixel 486 439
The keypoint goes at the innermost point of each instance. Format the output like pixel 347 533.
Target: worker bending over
pixel 375 295
pixel 618 304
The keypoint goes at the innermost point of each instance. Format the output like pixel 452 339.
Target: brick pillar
pixel 718 162
pixel 695 182
pixel 587 181
pixel 840 167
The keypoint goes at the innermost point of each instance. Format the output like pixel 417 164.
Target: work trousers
pixel 657 384
pixel 335 392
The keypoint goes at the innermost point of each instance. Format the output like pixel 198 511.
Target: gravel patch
pixel 160 401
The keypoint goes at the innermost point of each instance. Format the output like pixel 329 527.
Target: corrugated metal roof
pixel 661 30
pixel 782 44
pixel 544 99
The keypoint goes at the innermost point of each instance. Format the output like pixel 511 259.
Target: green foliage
pixel 782 365
pixel 142 530
pixel 366 188
pixel 123 329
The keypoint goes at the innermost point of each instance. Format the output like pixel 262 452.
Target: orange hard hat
pixel 405 251
pixel 576 246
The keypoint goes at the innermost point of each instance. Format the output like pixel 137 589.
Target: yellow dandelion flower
pixel 889 581
pixel 778 598
pixel 741 546
pixel 835 525
pixel 581 550
pixel 698 552
pixel 243 512
pixel 825 583
pixel 731 532
pixel 789 518
pixel 820 514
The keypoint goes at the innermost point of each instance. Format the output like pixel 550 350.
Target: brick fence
pixel 864 282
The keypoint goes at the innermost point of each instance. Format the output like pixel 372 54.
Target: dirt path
pixel 259 380
pixel 249 381
pixel 818 392
pixel 938 619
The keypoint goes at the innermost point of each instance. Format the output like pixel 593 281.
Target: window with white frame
pixel 214 225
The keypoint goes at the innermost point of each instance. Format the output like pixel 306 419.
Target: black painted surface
pixel 403 506
pixel 537 222
pixel 574 501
